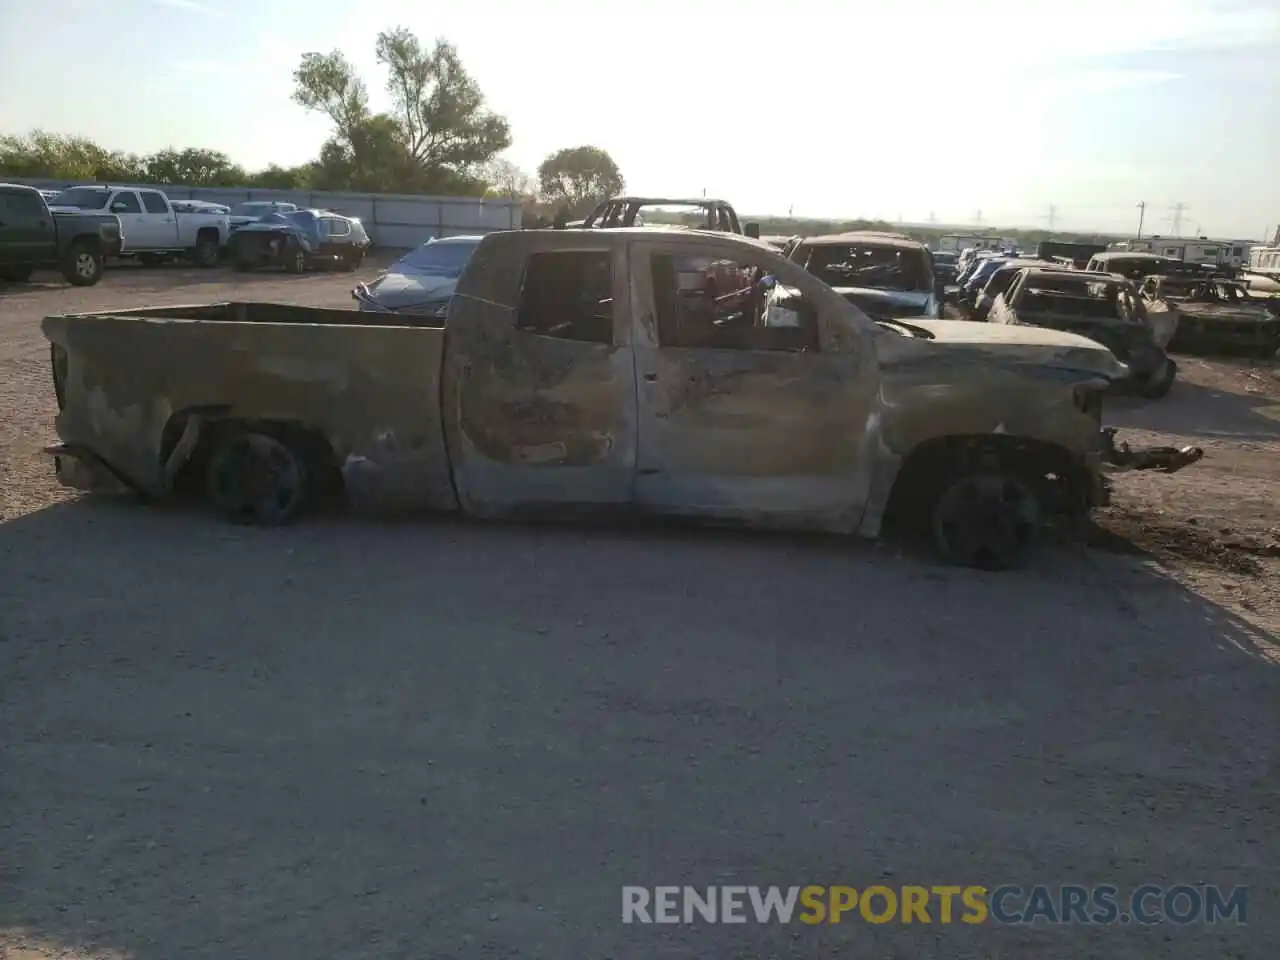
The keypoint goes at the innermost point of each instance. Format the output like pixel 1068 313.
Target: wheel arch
pixel 190 436
pixel 1060 478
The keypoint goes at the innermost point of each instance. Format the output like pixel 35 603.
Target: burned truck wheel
pixel 987 520
pixel 1160 381
pixel 256 478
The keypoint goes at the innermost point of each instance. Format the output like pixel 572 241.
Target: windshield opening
pixel 437 259
pixel 867 265
pixel 84 198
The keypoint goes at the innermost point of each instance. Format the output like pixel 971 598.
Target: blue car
pixel 299 240
pixel 421 282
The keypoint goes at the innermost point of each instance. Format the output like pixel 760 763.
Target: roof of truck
pixel 866 237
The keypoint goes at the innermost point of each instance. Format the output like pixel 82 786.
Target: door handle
pixel 651 377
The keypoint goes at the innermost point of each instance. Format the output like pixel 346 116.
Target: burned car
pixel 573 376
pixel 1213 314
pixel 298 241
pixel 884 275
pixel 1101 306
pixel 703 214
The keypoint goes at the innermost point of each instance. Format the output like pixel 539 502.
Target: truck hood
pixel 1021 345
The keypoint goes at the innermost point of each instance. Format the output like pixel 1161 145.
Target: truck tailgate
pixel 373 392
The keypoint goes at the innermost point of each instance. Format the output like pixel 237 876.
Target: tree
pixel 578 177
pixel 437 135
pixel 43 154
pixel 505 179
pixel 440 108
pixel 194 167
pixel 276 177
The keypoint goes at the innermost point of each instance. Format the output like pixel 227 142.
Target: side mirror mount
pixel 751 230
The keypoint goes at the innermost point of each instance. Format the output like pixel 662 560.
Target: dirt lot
pixel 452 739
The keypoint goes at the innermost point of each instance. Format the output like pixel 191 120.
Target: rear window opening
pixel 866 265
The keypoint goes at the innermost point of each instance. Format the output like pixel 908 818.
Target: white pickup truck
pixel 153 231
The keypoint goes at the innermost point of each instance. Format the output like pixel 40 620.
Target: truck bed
pixel 129 381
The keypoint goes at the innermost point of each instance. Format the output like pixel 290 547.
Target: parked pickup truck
pixel 33 236
pixel 153 231
pixel 573 374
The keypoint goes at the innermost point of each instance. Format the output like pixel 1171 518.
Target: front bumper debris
pixel 81 470
pixel 1162 459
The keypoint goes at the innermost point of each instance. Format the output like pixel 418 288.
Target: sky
pixel 1026 113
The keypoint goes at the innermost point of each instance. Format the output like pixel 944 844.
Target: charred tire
pixel 1160 381
pixel 16 273
pixel 82 265
pixel 257 478
pixel 988 520
pixel 205 254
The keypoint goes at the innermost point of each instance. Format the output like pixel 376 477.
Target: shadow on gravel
pixel 449 738
pixel 1193 410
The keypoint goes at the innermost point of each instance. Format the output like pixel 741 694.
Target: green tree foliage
pixel 43 154
pixel 576 178
pixel 193 167
pixel 436 137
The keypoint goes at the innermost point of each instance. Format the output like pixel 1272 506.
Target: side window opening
pixel 568 295
pixel 727 305
pixel 153 202
pixel 125 203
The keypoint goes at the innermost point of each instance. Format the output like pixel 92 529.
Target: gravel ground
pixel 454 739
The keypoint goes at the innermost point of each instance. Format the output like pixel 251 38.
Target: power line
pixel 1175 219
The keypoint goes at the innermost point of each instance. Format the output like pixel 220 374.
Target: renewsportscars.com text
pixel 1006 904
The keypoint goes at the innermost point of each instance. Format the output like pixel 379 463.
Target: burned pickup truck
pixel 701 214
pixel 884 275
pixel 1103 307
pixel 1213 314
pixel 574 374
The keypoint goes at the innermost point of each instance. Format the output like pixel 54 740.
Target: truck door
pixel 162 222
pixel 27 230
pixel 138 229
pixel 751 406
pixel 539 391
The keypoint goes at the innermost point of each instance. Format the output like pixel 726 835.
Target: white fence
pixel 392 220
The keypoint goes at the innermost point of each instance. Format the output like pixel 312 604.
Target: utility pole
pixel 977 218
pixel 1052 217
pixel 1175 220
pixel 1142 213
